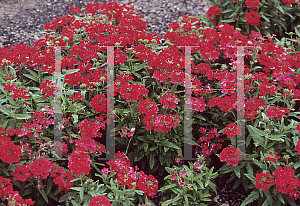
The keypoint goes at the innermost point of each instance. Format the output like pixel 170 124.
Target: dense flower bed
pixel 150 107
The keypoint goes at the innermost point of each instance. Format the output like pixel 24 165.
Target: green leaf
pixel 276 137
pixel 237 171
pixel 49 186
pixel 42 192
pixel 152 160
pixel 167 187
pixel 297 32
pixel 71 71
pixel 31 77
pixel 21 116
pixel 296 165
pixel 280 9
pixel 74 203
pixel 265 18
pixel 254 195
pixel 4 110
pixel 258 163
pixel 227 11
pixel 228 21
pixel 172 145
pixel 256 135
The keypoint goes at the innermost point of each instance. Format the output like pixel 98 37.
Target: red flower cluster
pixel 169 101
pixel 100 200
pixel 47 87
pixel 128 177
pixel 76 95
pixel 289 2
pixel 99 103
pixel 286 183
pixel 231 156
pixel 265 87
pixel 214 10
pixel 148 184
pixel 232 130
pixel 297 148
pixel 62 178
pixel 273 158
pixel 207 146
pixel 252 18
pixel 9 152
pixel 88 129
pixel 89 145
pixel 17 92
pixel 75 10
pixel 252 105
pixel 79 163
pixel 252 3
pixel 164 123
pixel 262 183
pixel 21 173
pixel 40 168
pixel 226 103
pixel 92 8
pixel 276 112
pixel 13 197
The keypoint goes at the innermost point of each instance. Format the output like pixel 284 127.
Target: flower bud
pixel 83 86
pixel 66 38
pixel 102 78
pixel 97 84
pixel 238 29
pixel 154 41
pixel 117 44
pixel 146 40
pixel 94 59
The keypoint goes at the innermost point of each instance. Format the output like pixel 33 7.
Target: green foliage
pixel 276 17
pixel 196 183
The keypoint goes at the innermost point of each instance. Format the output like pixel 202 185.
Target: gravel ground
pixel 21 21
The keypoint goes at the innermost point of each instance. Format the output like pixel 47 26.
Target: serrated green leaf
pixel 256 135
pixel 254 195
pixel 258 163
pixel 172 145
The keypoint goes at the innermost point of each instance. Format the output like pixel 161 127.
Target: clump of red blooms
pixel 100 200
pixel 216 42
pixel 207 146
pixel 252 17
pixel 283 179
pixel 128 176
pixel 13 197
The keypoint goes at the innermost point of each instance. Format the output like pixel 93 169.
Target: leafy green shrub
pixel 269 17
pixel 188 185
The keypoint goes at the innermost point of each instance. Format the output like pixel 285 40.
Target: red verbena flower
pixel 100 200
pixel 214 10
pixel 252 18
